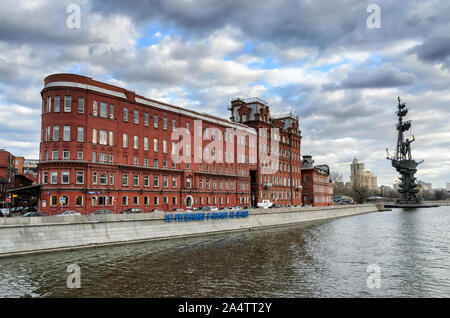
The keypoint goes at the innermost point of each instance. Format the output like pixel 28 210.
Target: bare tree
pixel 336 177
pixel 359 193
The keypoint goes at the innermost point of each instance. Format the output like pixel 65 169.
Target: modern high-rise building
pixel 362 177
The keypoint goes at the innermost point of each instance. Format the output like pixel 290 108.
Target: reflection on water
pixel 318 259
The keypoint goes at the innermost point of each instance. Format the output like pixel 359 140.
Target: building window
pixel 156 200
pixel 155 121
pixel 94 135
pixel 111 138
pixel 81 105
pixel 146 181
pixel 49 104
pixel 125 180
pixel 80 177
pixel 165 122
pixel 174 124
pixel 146 200
pixel 66 154
pixel 79 201
pixel 165 182
pixel 188 129
pixel 94 156
pixel 103 179
pixel 155 181
pixel 136 200
pixel 125 140
pixel 103 137
pixel 136 180
pixel 55 133
pixel 53 200
pixel 103 109
pixel 94 178
pixel 174 182
pixel 145 118
pixel 45 177
pixel 94 108
pixel 136 116
pixel 165 146
pixel 80 134
pixel 188 183
pixel 155 163
pixel 136 142
pixel 111 111
pixel 125 114
pixel 166 200
pixel 57 104
pixel 174 147
pixel 54 177
pixel 55 155
pixel 146 143
pixel 67 103
pixel 125 200
pixel 135 161
pixel 155 145
pixel 111 179
pixel 66 136
pixel 174 200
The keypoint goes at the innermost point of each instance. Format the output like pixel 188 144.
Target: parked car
pixel 210 209
pixel 178 210
pixel 276 206
pixel 265 204
pixel 4 211
pixel 32 213
pixel 132 210
pixel 68 212
pixel 103 211
pixel 156 210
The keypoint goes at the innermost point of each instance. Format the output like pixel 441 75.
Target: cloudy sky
pixel 325 60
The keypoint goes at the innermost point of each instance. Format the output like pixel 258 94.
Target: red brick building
pixel 6 175
pixel 278 173
pixel 317 187
pixel 106 147
pixel 103 146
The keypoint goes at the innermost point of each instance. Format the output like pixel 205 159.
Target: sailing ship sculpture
pixel 403 162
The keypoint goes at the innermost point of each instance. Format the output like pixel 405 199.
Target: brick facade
pixel 105 147
pixel 317 187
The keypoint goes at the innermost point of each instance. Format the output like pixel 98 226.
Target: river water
pixel 399 253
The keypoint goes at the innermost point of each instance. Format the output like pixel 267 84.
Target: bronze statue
pixel 403 162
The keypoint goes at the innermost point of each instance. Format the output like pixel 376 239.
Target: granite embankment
pixel 22 235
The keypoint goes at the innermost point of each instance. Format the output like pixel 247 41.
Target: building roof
pixel 84 82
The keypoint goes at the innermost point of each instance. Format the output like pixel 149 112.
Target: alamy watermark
pixel 229 146
pixel 73 21
pixel 374 19
pixel 373 281
pixel 74 279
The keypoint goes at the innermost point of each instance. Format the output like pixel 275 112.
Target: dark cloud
pixel 434 50
pixel 381 77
